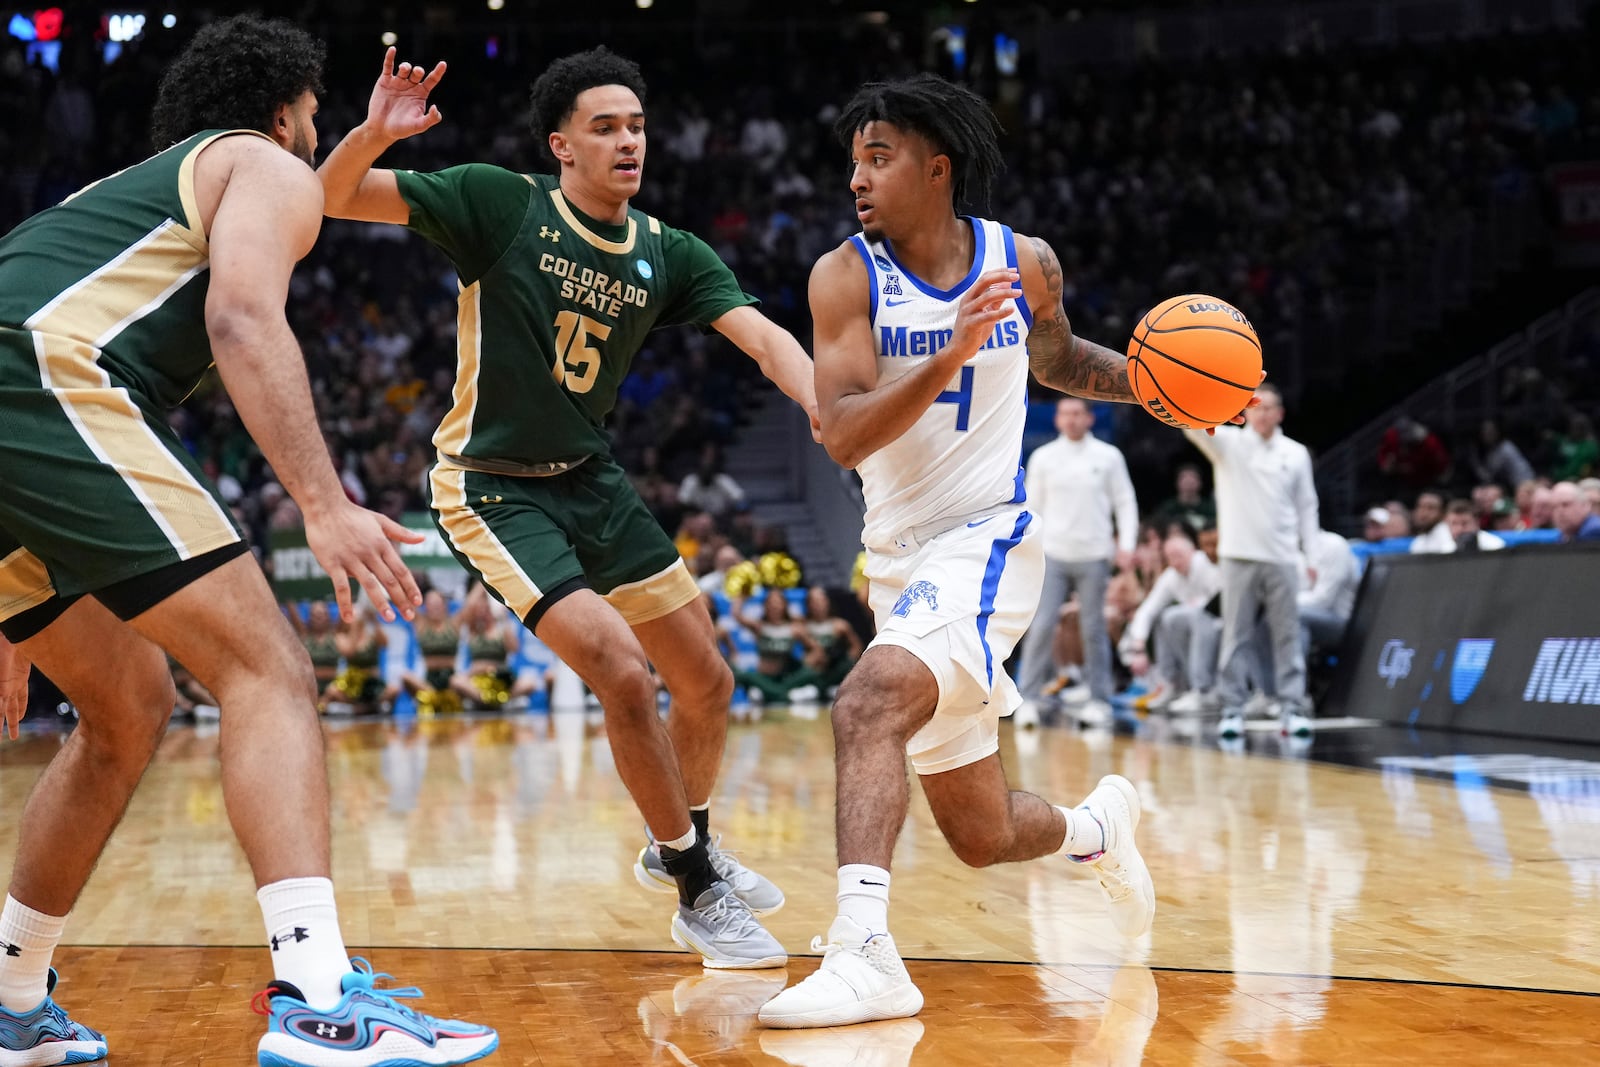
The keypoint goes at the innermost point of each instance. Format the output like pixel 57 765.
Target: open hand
pixel 984 306
pixel 352 542
pixel 399 105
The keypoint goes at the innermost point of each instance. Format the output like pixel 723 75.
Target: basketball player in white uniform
pixel 927 324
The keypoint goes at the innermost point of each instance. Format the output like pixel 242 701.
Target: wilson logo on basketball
pixel 1160 411
pixel 1232 312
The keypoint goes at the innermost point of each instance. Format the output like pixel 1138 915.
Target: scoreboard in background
pixel 44 30
pixel 1494 642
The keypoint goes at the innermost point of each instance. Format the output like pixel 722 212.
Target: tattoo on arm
pixel 1062 361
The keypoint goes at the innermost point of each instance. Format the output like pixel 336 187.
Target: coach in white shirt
pixel 1326 603
pixel 1187 636
pixel 1078 486
pixel 1266 515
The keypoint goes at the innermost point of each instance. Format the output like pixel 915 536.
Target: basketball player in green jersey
pixel 114 547
pixel 560 283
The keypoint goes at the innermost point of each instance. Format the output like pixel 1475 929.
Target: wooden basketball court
pixel 1309 913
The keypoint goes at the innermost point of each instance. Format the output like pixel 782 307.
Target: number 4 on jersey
pixel 577 361
pixel 961 397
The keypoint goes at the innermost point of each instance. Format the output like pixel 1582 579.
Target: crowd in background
pixel 1283 182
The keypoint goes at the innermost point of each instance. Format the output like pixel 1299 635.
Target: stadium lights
pixel 644 5
pixel 169 20
pixel 390 37
pixel 496 5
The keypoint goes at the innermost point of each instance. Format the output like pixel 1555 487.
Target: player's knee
pixel 875 702
pixel 714 686
pixel 975 847
pixel 862 714
pixel 126 721
pixel 621 679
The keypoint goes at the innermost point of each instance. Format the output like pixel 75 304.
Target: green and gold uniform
pixel 553 307
pixel 102 328
pixel 437 641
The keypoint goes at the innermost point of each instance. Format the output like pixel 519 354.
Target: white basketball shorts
pixel 960 601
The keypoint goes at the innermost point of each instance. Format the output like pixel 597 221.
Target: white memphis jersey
pixel 964 455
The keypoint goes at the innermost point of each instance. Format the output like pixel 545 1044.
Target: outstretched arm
pixel 398 109
pixel 268 218
pixel 1057 358
pixel 859 416
pixel 777 353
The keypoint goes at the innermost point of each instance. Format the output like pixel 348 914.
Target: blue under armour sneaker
pixel 45 1036
pixel 367 1028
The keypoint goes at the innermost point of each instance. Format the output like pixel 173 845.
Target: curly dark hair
pixel 555 92
pixel 233 75
pixel 954 119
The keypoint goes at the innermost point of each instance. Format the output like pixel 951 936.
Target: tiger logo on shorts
pixel 926 592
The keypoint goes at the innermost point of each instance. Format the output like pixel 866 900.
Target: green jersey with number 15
pixel 553 307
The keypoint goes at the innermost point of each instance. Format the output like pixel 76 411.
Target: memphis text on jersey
pixel 590 288
pixel 906 341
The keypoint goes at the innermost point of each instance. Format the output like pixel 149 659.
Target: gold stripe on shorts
pixel 472 537
pixel 24 583
pixel 660 594
pixel 113 427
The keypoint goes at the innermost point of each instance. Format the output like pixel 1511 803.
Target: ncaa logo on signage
pixel 1394 662
pixel 1466 670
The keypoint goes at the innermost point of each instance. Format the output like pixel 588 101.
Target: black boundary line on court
pixel 917 959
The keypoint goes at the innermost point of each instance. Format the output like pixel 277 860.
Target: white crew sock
pixel 1085 835
pixel 32 936
pixel 303 930
pixel 864 896
pixel 681 844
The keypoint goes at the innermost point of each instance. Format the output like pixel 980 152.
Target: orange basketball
pixel 1194 361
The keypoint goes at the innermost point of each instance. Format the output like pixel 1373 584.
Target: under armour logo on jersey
pixel 891 286
pixel 549 234
pixel 926 592
pixel 299 934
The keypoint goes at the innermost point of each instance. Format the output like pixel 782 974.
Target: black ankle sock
pixel 701 817
pixel 692 870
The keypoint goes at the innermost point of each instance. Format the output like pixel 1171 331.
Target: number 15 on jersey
pixel 577 360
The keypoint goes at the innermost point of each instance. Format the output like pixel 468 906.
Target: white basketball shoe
pixel 862 979
pixel 1121 870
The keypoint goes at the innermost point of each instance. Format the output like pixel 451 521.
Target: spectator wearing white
pixel 715 580
pixel 1427 518
pixel 1187 636
pixel 709 488
pixel 1079 488
pixel 1267 514
pixel 1327 602
pixel 1466 535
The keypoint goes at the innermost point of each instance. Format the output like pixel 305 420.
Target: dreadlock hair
pixel 555 92
pixel 233 75
pixel 954 119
